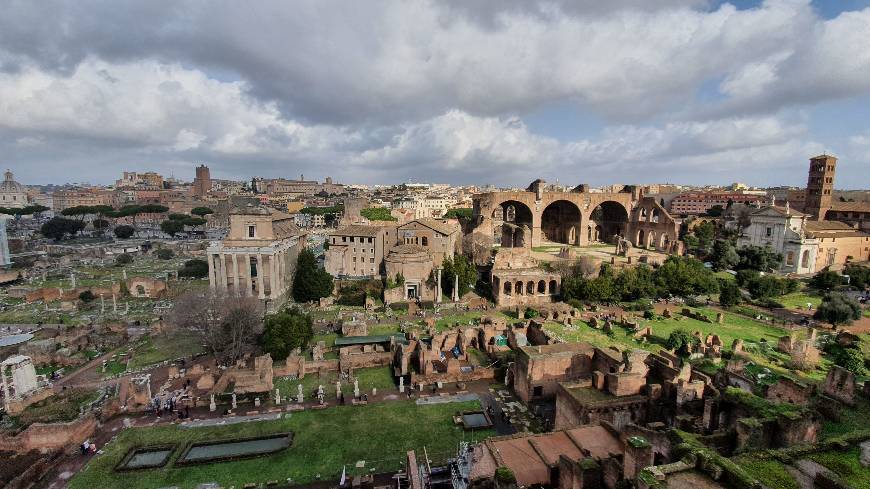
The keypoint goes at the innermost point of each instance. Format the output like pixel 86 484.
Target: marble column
pixel 211 272
pixel 236 290
pixel 246 273
pixel 261 293
pixel 273 277
pixel 438 285
pixel 223 272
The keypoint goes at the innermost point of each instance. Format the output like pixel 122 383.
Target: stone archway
pixel 560 222
pixel 514 228
pixel 612 218
pixel 640 239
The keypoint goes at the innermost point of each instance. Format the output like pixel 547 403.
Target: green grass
pixel 799 300
pixel 324 442
pixel 372 377
pixel 846 465
pixel 114 367
pixel 375 377
pixel 851 419
pixel 58 408
pixel 165 347
pixel 771 473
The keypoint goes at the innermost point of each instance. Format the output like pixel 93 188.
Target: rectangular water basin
pixel 146 458
pixel 225 450
pixel 475 420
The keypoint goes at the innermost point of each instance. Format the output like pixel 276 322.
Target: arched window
pixel 507 288
pixel 518 288
pixel 655 215
pixel 553 287
pixel 542 287
pixel 425 241
pixel 639 241
pixel 805 259
pixel 530 288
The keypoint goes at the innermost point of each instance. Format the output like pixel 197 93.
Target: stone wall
pixel 49 437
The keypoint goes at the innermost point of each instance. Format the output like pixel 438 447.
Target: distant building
pixel 807 245
pixel 784 231
pixel 820 185
pixel 258 257
pixel 696 203
pixel 131 179
pixel 819 200
pixel 202 181
pixel 12 193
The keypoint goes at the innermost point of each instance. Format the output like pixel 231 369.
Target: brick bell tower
pixel 820 185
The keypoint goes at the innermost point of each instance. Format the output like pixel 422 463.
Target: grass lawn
pixel 771 473
pixel 114 367
pixel 798 300
pixel 850 420
pixel 373 377
pixel 846 465
pixel 324 442
pixel 734 327
pixel 165 347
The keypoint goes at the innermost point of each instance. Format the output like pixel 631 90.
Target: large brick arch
pixel 585 202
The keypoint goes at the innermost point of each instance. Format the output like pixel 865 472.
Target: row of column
pixel 241 273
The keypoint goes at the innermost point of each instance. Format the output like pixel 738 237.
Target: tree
pixel 311 282
pixel 227 325
pixel 195 268
pixel 100 224
pixel 165 254
pixel 685 276
pixel 859 276
pixel 729 293
pixel 458 213
pixel 58 227
pixel 724 256
pixel 744 276
pixel 87 296
pixel 765 287
pixel 826 280
pixel 851 359
pixel 124 231
pixel 377 214
pixel 172 226
pixel 459 266
pixel 123 259
pixel 286 331
pixel 635 283
pixel 838 309
pixel 681 342
pixel 761 258
pixel 201 211
pixel 715 211
pixel 705 232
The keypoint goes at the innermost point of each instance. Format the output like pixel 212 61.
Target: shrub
pixel 286 331
pixel 531 313
pixel 87 296
pixel 838 309
pixel 123 259
pixel 195 268
pixel 505 475
pixel 124 231
pixel 826 280
pixel 165 254
pixel 681 342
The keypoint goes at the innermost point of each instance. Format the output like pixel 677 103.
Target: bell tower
pixel 820 185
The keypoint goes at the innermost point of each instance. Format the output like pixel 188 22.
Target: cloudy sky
pixel 457 91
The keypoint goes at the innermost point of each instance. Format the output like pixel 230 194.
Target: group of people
pixel 88 447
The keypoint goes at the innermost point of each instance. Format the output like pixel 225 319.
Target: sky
pixel 486 92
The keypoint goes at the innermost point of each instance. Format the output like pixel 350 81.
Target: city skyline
pixel 681 91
